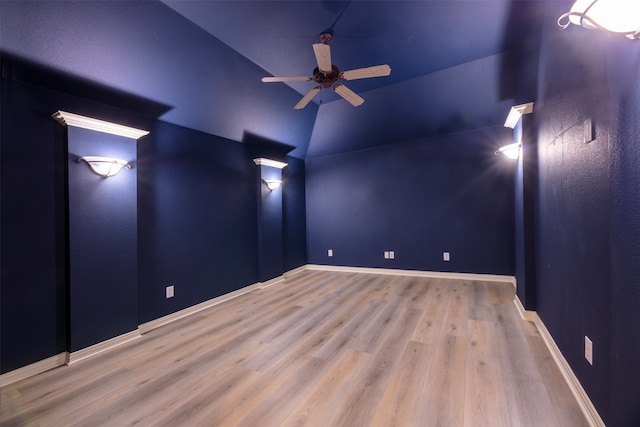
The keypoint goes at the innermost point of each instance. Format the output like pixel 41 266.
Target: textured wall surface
pixel 33 310
pixel 197 218
pixel 419 199
pixel 623 60
pixel 587 250
pixel 103 241
pixel 294 214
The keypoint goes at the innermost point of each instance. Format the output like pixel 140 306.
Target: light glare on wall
pixel 104 166
pixel 616 16
pixel 511 151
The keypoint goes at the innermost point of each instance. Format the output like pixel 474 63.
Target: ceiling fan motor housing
pixel 325 37
pixel 326 79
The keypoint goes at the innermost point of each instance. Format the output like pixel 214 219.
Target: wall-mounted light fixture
pixel 272 184
pixel 616 16
pixel 511 151
pixel 104 166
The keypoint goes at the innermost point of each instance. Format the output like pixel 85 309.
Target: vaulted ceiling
pixel 456 64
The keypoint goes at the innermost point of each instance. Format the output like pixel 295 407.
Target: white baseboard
pixel 586 406
pixel 295 271
pixel 270 282
pixel 164 320
pixel 416 273
pixel 33 369
pixel 101 347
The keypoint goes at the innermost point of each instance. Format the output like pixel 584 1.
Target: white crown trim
pixel 268 162
pixel 516 112
pixel 71 119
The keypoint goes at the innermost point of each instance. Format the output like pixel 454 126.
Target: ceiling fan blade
pixel 351 97
pixel 305 99
pixel 286 79
pixel 364 73
pixel 323 56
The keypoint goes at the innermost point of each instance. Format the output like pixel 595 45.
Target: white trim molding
pixel 416 273
pixel 101 347
pixel 33 369
pixel 586 406
pixel 516 112
pixel 261 161
pixel 156 323
pixel 72 119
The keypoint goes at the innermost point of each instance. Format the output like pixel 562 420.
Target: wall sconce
pixel 615 16
pixel 104 166
pixel 272 184
pixel 511 151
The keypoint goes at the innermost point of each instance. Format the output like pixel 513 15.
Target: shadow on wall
pixel 29 72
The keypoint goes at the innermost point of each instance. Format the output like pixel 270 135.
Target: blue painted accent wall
pixel 33 281
pixel 587 220
pixel 197 218
pixel 103 241
pixel 270 231
pixel 196 215
pixel 294 214
pixel 623 60
pixel 418 199
pixel 525 210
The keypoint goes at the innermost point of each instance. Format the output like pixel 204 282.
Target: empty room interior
pixel 270 213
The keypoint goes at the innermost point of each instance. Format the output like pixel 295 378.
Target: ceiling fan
pixel 326 75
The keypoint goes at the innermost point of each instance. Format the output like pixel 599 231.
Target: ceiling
pixel 455 63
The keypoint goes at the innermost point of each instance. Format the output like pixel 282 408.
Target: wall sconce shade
pixel 71 119
pixel 104 166
pixel 511 151
pixel 616 16
pixel 272 184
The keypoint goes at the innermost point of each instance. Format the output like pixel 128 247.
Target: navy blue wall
pixel 103 237
pixel 587 238
pixel 33 250
pixel 294 214
pixel 270 231
pixel 525 209
pixel 623 65
pixel 196 214
pixel 418 199
pixel 196 217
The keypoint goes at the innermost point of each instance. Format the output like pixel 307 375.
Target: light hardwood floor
pixel 318 349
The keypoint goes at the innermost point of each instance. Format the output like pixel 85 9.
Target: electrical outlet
pixel 169 291
pixel 446 256
pixel 386 254
pixel 330 252
pixel 588 350
pixel 392 255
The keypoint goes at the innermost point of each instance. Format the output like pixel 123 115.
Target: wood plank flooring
pixel 318 349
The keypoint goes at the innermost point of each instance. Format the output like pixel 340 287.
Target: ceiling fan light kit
pixel 327 75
